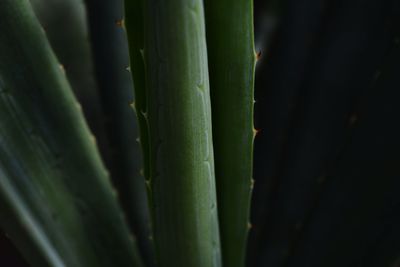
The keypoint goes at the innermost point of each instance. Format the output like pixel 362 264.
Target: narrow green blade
pixel 67 31
pixel 174 104
pixel 232 59
pixel 117 93
pixel 56 200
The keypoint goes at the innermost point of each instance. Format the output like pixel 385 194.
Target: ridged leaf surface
pixel 57 203
pixel 173 103
pixel 230 41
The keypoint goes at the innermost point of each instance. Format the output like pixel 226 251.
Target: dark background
pixel 327 159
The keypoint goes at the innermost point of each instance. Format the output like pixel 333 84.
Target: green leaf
pixel 230 42
pixel 174 104
pixel 57 203
pixel 117 93
pixel 67 31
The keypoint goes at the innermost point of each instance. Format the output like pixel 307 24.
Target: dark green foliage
pixel 280 75
pixel 173 104
pixel 9 253
pixel 321 210
pixel 64 22
pixel 326 158
pixel 116 91
pixel 361 222
pixel 232 80
pixel 56 200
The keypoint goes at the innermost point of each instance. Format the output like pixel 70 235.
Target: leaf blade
pixel 50 159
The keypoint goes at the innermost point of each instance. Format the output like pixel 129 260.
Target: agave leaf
pixel 168 49
pixel 117 93
pixel 67 31
pixel 230 42
pixel 57 203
